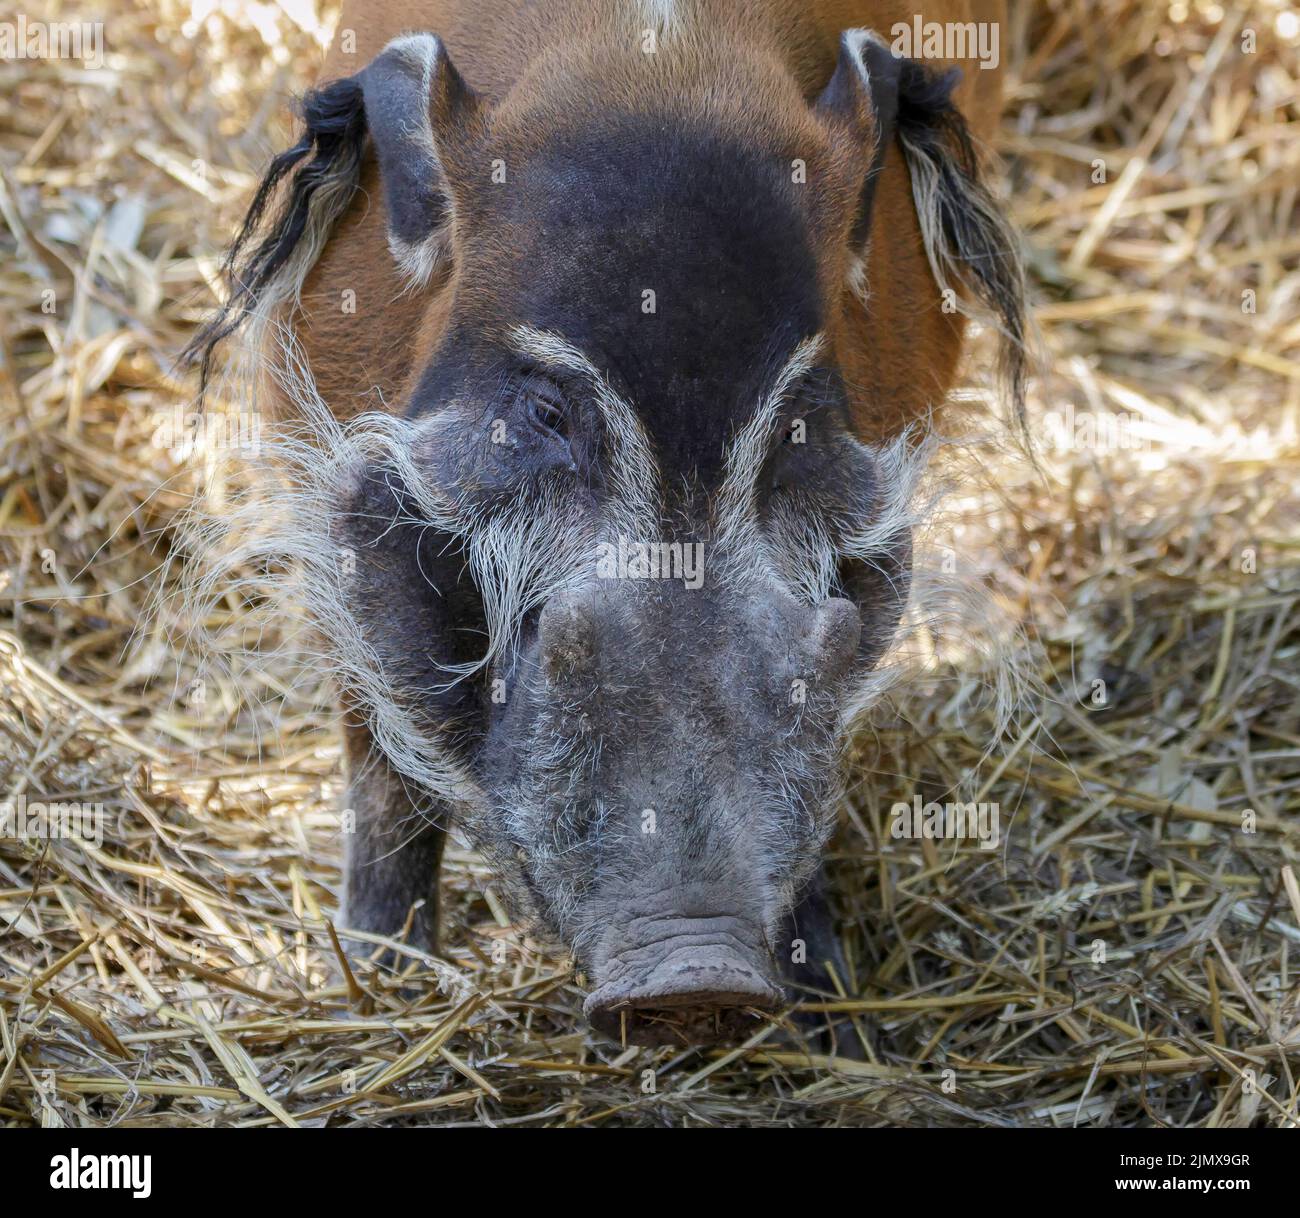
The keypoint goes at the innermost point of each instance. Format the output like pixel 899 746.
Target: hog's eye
pixel 544 403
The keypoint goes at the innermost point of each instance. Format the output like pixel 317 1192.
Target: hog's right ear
pixel 416 105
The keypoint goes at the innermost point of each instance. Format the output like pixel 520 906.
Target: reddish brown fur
pixel 766 58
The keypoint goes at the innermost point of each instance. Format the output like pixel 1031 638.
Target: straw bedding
pixel 1124 957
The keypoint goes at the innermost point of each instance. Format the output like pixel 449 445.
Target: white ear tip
pixel 406 43
pixel 417 260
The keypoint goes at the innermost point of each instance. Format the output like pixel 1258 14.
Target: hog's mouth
pixel 690 995
pixel 681 1026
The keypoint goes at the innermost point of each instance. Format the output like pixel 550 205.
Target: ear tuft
pixel 968 237
pixel 301 196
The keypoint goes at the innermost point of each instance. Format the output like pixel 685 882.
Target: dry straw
pixel 1128 955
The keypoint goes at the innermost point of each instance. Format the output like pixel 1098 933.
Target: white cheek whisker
pixel 951 623
pixel 280 542
pixel 739 538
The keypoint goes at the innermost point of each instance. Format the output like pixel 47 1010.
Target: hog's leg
pixel 810 949
pixel 391 853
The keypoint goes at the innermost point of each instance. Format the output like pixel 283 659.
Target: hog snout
pixel 699 795
pixel 683 981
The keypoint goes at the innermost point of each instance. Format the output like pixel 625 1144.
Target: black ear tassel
pixel 329 151
pixel 398 100
pixel 978 239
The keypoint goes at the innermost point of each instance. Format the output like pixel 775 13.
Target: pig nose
pixel 703 983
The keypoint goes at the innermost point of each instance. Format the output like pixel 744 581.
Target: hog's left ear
pixel 968 238
pixel 417 106
pixel 863 96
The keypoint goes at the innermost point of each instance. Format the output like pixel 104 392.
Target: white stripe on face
pixel 635 472
pixel 736 513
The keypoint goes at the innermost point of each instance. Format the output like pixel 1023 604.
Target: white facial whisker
pixel 736 513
